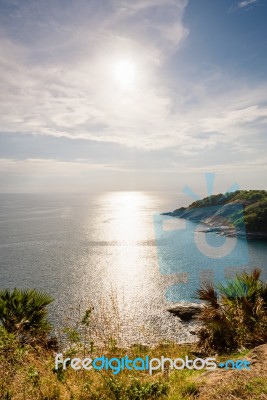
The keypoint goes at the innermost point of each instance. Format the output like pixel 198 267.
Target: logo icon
pixel 206 243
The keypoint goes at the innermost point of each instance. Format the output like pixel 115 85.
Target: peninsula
pixel 241 213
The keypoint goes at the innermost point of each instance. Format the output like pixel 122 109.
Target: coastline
pixel 241 214
pixel 221 228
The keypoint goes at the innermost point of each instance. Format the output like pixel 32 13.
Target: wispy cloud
pixel 66 87
pixel 245 3
pixel 57 82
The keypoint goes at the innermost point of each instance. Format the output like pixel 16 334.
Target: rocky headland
pixel 242 213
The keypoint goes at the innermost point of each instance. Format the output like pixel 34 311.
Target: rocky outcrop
pixel 186 312
pixel 237 214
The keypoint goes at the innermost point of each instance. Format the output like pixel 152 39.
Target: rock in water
pixel 186 311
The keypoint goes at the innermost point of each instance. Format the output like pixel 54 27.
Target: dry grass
pixel 233 385
pixel 27 372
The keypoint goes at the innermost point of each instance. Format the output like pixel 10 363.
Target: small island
pixel 242 213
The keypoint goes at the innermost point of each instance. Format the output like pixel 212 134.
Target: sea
pixel 103 251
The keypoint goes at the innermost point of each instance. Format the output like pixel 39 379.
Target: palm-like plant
pixel 235 314
pixel 24 312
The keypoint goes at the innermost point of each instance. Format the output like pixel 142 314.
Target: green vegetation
pixel 24 313
pixel 28 373
pixel 235 316
pixel 252 389
pixel 253 201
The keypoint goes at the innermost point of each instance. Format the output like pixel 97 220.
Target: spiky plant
pixel 235 314
pixel 24 313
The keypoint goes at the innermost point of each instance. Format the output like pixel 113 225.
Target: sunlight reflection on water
pixel 81 247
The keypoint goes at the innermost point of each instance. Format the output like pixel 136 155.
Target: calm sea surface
pixel 97 248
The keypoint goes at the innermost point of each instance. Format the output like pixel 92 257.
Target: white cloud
pixel 81 100
pixel 57 87
pixel 236 118
pixel 245 3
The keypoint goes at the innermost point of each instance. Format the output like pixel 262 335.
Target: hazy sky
pixel 132 94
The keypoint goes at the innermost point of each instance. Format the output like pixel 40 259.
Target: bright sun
pixel 125 73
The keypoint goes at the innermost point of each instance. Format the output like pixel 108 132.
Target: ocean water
pixel 101 249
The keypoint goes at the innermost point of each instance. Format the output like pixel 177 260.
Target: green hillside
pixel 254 203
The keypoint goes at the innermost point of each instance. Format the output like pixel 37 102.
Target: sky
pixel 132 95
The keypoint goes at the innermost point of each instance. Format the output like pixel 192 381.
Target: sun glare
pixel 125 73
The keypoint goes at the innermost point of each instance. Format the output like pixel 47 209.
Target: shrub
pixel 136 390
pixel 235 314
pixel 24 313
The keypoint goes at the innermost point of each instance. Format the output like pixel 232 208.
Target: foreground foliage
pixel 24 313
pixel 235 315
pixel 28 372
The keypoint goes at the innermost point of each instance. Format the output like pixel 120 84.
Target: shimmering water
pixel 88 246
